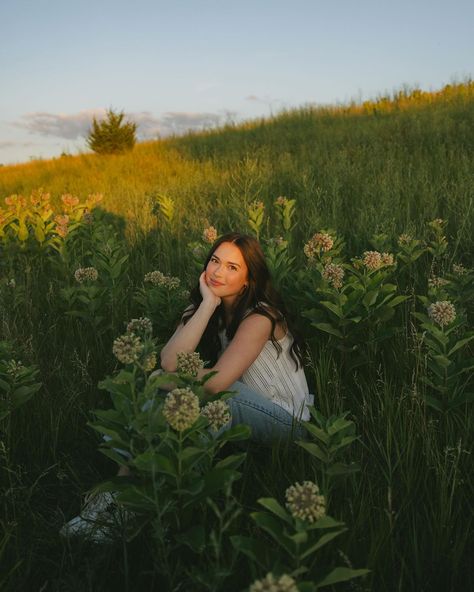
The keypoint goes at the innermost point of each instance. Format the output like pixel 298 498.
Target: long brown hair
pixel 260 297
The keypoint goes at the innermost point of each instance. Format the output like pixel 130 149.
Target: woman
pixel 240 325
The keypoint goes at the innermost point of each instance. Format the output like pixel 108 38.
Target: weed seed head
pixel 304 502
pixel 181 408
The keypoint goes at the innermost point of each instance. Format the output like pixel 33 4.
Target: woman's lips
pixel 215 283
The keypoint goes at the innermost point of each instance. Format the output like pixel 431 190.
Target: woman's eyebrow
pixel 229 262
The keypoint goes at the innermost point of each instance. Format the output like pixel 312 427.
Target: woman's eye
pixel 232 267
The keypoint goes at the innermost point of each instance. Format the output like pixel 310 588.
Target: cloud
pixel 60 125
pixel 252 98
pixel 77 125
pixel 12 144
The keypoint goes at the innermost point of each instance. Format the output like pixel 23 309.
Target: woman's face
pixel 227 272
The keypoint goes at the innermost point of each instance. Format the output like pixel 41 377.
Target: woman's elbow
pixel 167 363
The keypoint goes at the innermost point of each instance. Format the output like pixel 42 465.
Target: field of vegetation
pixel 366 216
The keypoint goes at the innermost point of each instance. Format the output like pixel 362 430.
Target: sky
pixel 177 65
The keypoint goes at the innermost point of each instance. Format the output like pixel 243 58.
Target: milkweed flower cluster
pixel 333 274
pixel 189 363
pixel 372 260
pixel 69 201
pixel 127 348
pixel 404 239
pixel 321 241
pixel 217 413
pixel 157 278
pixel 140 326
pixel 86 274
pixel 442 312
pixel 149 363
pixel 14 368
pixel 304 502
pixel 387 259
pixel 181 408
pixel 209 235
pixel 459 269
pixel 271 583
pixel 437 282
pixel 62 221
pixel 281 201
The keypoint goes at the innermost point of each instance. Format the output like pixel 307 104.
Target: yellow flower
pixel 304 501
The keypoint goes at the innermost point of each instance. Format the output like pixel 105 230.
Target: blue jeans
pixel 267 420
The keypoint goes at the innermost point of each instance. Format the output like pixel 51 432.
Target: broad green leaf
pixel 334 308
pixel 461 343
pixel 323 540
pixel 341 574
pixel 271 504
pixel 328 329
pixel 314 450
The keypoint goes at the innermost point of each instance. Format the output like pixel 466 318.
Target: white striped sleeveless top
pixel 274 375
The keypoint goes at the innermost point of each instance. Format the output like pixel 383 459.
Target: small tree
pixel 112 134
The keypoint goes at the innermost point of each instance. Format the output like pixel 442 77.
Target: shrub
pixel 112 135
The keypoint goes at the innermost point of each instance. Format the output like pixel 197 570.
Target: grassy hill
pixel 383 166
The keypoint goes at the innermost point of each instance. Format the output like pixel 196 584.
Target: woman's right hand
pixel 207 294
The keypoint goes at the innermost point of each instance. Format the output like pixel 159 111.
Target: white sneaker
pixel 99 521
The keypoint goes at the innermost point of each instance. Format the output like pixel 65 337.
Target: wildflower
pixel 16 201
pixel 14 368
pixel 387 259
pixel 459 269
pixel 436 223
pixel 181 408
pixel 304 501
pixel 281 201
pixel 437 282
pixel 257 205
pixel 209 235
pixel 86 274
pixel 372 259
pixel 217 413
pixel 404 239
pixel 185 294
pixel 160 279
pixel 127 348
pixel 321 241
pixel 141 325
pixel 62 231
pixel 333 273
pixel 62 219
pixel 270 583
pixel 69 201
pixel 87 216
pixel 189 363
pixel 11 283
pixel 93 199
pixel 442 312
pixel 149 362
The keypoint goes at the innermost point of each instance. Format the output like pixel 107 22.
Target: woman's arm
pixel 187 336
pixel 243 350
